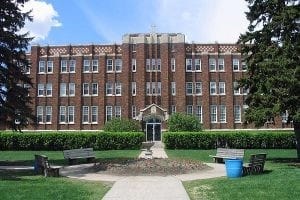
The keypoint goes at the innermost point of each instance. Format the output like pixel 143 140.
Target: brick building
pixel 147 77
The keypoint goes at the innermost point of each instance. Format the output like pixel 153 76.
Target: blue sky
pixel 59 22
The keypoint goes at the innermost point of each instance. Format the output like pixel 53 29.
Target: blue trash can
pixel 234 168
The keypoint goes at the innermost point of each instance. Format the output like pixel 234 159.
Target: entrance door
pixel 153 131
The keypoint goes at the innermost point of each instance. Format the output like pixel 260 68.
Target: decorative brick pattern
pixel 204 48
pixel 80 50
pixel 61 50
pixel 103 49
pixel 228 48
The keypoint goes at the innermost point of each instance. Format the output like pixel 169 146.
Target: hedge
pixel 236 139
pixel 70 140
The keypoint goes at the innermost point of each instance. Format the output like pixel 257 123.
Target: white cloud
pixel 44 19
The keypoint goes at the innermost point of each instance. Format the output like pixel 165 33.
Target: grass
pixel 280 180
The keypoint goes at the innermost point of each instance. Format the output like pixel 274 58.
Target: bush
pixel 122 125
pixel 70 140
pixel 181 122
pixel 240 140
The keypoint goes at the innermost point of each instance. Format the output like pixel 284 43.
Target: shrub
pixel 122 125
pixel 241 139
pixel 181 122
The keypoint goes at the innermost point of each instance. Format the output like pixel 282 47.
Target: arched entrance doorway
pixel 153 129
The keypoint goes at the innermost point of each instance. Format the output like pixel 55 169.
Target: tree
pixel 14 100
pixel 122 125
pixel 182 122
pixel 271 48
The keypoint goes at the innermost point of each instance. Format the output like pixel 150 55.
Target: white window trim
pixel 83 114
pixel 222 83
pixel 186 88
pixel 187 61
pixel 133 65
pixel 44 72
pixel 97 118
pixel 225 121
pixel 238 64
pixel 173 64
pixel 210 87
pixel 95 71
pixel 92 89
pixel 88 89
pixel 221 60
pixel 84 65
pixel 240 114
pixel 216 108
pixel 198 70
pixel 215 64
pixel 133 88
pixel 112 66
pixel 198 94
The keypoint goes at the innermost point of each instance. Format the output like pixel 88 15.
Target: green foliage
pixel 182 122
pixel 122 125
pixel 240 140
pixel 70 140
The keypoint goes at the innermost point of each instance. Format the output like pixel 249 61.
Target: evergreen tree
pixel 271 47
pixel 15 108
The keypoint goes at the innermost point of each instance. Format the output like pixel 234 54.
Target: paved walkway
pixel 157 149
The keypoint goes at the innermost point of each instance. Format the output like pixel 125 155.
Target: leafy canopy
pixel 122 125
pixel 182 122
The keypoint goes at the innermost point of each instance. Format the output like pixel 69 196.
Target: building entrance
pixel 153 131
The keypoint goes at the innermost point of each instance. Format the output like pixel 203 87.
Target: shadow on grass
pixel 284 160
pixel 15 175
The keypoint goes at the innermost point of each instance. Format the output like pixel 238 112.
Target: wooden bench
pixel 42 166
pixel 224 153
pixel 74 154
pixel 256 164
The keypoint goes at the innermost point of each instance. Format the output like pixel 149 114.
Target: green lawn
pixel 280 180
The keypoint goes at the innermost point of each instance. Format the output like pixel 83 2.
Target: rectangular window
pixel 108 113
pixel 148 88
pixel 148 62
pixel 118 89
pixel 245 91
pixel 48 114
pixel 133 88
pixel 153 88
pixel 188 65
pixel 72 65
pixel 85 89
pixel 133 47
pixel 39 114
pixel 71 113
pixel 71 89
pixel 198 88
pixel 85 114
pixel 158 88
pixel 42 67
pixel 199 113
pixel 118 112
pixel 173 109
pixel 63 89
pixel 244 66
pixel 49 89
pixel 94 114
pixel 109 65
pixel 26 69
pixel 63 66
pixel 118 65
pixel 213 114
pixel 133 112
pixel 222 113
pixel 158 65
pixel 212 64
pixel 173 64
pixel 133 65
pixel 153 62
pixel 285 117
pixel 236 89
pixel 237 113
pixel 235 64
pixel 189 88
pixel 213 88
pixel 109 89
pixel 221 66
pixel 95 65
pixel 189 109
pixel 222 88
pixel 86 66
pixel 95 89
pixel 173 88
pixel 41 89
pixel 62 114
pixel 50 67
pixel 197 65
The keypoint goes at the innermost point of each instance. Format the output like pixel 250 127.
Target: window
pixel 71 114
pixel 133 47
pixel 41 90
pixel 85 114
pixel 173 109
pixel 148 88
pixel 188 65
pixel 39 114
pixel 118 112
pixel 244 66
pixel 118 89
pixel 212 64
pixel 173 64
pixel 189 88
pixel 199 113
pixel 85 89
pixel 72 65
pixel 148 65
pixel 133 112
pixel 213 88
pixel 108 113
pixel 94 114
pixel 109 65
pixel 42 67
pixel 63 89
pixel 63 66
pixel 48 114
pixel 133 88
pixel 235 64
pixel 153 88
pixel 197 65
pixel 118 65
pixel 86 66
pixel 153 61
pixel 49 89
pixel 173 88
pixel 158 65
pixel 26 69
pixel 95 89
pixel 158 88
pixel 62 114
pixel 133 65
pixel 222 113
pixel 285 117
pixel 237 113
pixel 189 109
pixel 213 114
pixel 95 65
pixel 50 67
pixel 236 89
pixel 71 89
pixel 221 66
pixel 245 91
pixel 222 88
pixel 109 89
pixel 198 88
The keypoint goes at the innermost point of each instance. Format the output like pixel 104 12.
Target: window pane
pixel 40 89
pixel 63 89
pixel 85 114
pixel 94 88
pixel 72 64
pixel 63 66
pixel 213 114
pixel 118 63
pixel 109 65
pixel 71 114
pixel 39 111
pixel 86 65
pixel 94 114
pixel 48 114
pixel 189 109
pixel 222 88
pixel 188 65
pixel 49 66
pixel 118 111
pixel 85 89
pixel 49 89
pixel 95 65
pixel 71 89
pixel 108 113
pixel 109 89
pixel 213 89
pixel 42 67
pixel 189 88
pixel 133 65
pixel 221 64
pixel 197 64
pixel 198 88
pixel 222 113
pixel 212 64
pixel 62 114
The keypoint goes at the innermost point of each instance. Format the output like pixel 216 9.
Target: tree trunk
pixel 297 134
